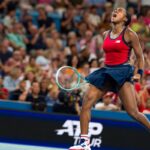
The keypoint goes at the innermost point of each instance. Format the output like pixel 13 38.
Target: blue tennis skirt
pixel 111 78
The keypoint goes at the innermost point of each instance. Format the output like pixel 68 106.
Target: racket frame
pixel 78 84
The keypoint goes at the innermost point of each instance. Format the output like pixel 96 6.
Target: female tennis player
pixel 116 76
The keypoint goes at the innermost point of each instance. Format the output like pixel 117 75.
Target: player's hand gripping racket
pixel 68 78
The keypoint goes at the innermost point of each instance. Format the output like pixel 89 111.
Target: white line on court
pixel 7 146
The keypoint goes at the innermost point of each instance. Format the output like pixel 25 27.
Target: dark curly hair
pixel 128 19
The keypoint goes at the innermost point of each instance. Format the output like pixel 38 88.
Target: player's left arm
pixel 135 44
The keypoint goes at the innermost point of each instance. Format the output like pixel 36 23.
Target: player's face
pixel 118 15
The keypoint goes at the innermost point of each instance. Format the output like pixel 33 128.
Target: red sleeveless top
pixel 117 51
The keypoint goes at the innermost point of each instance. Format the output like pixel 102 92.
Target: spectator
pixel 74 52
pixel 11 82
pixel 10 18
pixel 55 64
pixel 107 103
pixel 142 90
pixel 3 5
pixel 42 61
pixel 85 55
pixel 147 107
pixel 147 59
pixel 15 61
pixel 132 12
pixel 89 41
pixel 73 40
pixel 37 100
pixel 75 61
pixel 3 91
pixel 67 23
pixel 52 96
pixel 93 19
pixel 139 25
pixel 5 53
pixel 144 6
pixel 15 95
pixel 30 77
pixel 32 66
pixel 2 31
pixel 81 28
pixel 43 19
pixel 54 41
pixel 44 88
pixel 17 57
pixel 121 3
pixel 106 15
pixel 147 18
pixel 17 37
pixel 85 69
pixel 135 4
pixel 94 65
pixel 12 5
pixel 35 38
pixel 8 66
pixel 145 96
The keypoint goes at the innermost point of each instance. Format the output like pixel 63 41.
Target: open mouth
pixel 114 15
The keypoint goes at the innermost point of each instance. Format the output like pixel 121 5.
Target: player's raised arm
pixel 135 43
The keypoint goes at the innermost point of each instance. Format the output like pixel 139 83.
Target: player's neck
pixel 117 28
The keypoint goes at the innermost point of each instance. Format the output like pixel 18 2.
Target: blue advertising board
pixel 61 130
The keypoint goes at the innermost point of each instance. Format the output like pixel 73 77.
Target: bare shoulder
pixel 130 36
pixel 105 33
pixel 130 33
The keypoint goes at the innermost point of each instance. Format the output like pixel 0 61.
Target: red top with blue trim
pixel 117 51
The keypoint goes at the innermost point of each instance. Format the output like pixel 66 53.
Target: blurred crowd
pixel 39 36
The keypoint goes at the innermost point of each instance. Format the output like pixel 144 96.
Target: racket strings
pixel 67 78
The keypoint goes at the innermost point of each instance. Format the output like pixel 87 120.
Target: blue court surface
pixel 7 146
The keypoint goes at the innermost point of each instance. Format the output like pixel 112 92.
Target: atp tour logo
pixel 72 129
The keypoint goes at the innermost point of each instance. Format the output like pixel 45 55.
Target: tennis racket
pixel 68 78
